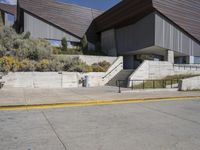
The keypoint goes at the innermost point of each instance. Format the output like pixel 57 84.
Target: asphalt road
pixel 165 125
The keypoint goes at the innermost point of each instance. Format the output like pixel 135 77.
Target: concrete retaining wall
pixel 41 80
pixel 152 70
pixel 51 79
pixel 65 79
pixel 89 59
pixel 190 84
pixel 160 69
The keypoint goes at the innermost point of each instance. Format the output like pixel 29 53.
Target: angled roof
pixel 11 9
pixel 184 13
pixel 69 17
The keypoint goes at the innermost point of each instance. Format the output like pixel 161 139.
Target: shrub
pixel 27 65
pixel 43 65
pixel 23 46
pixel 2 51
pixel 57 50
pixel 97 68
pixel 27 35
pixel 55 65
pixel 104 64
pixel 8 63
pixel 101 66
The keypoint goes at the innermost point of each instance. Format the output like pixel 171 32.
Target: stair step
pixel 122 75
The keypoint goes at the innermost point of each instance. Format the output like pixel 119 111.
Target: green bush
pixel 2 51
pixel 23 46
pixel 27 65
pixel 43 65
pixel 104 64
pixel 101 66
pixel 55 65
pixel 8 64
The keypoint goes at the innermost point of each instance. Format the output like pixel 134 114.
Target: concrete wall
pixel 51 79
pixel 170 37
pixel 65 79
pixel 88 58
pixel 152 70
pixel 41 80
pixel 41 29
pixel 160 69
pixel 136 36
pixel 190 84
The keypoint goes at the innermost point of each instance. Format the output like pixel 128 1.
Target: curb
pixel 94 102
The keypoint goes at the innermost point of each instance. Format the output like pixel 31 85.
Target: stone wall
pixel 190 84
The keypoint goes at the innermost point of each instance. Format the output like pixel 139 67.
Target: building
pixel 8 14
pixel 53 20
pixel 151 29
pixel 160 30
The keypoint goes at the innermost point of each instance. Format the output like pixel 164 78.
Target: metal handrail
pixel 112 70
pixel 163 81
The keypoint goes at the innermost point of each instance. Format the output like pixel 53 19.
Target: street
pixel 164 125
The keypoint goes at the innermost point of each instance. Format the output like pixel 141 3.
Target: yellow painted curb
pixel 94 102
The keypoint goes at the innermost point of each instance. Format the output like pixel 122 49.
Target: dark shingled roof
pixel 69 17
pixel 184 13
pixel 11 9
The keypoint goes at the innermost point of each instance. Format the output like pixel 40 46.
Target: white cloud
pixel 11 2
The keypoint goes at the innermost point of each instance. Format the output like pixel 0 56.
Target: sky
pixel 97 4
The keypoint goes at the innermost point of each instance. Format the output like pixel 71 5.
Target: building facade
pixel 166 30
pixel 160 30
pixel 53 20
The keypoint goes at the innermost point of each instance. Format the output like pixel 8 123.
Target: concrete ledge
pixel 190 84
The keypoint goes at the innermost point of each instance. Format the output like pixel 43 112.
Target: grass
pixel 162 83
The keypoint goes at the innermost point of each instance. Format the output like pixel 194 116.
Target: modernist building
pixel 136 29
pixel 152 29
pixel 53 20
pixel 8 14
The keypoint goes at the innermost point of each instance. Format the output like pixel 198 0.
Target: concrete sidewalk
pixel 20 96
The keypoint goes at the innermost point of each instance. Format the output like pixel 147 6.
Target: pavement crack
pixel 170 114
pixel 53 129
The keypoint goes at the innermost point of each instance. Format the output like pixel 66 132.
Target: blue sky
pixel 98 4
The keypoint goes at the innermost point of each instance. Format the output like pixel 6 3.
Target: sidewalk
pixel 20 96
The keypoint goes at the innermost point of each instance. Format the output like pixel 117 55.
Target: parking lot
pixel 164 125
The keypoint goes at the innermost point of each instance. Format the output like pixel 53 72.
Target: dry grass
pixel 162 83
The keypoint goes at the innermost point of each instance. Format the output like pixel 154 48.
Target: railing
pixel 191 67
pixel 107 74
pixel 147 84
pixel 114 69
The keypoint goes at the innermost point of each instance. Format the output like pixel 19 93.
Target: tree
pixel 84 43
pixel 64 44
pixel 27 35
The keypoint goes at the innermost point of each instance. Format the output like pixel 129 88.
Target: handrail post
pixel 119 87
pixel 154 84
pixel 143 84
pixel 171 83
pixel 132 84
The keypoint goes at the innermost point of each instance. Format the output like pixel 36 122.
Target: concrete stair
pixel 122 75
